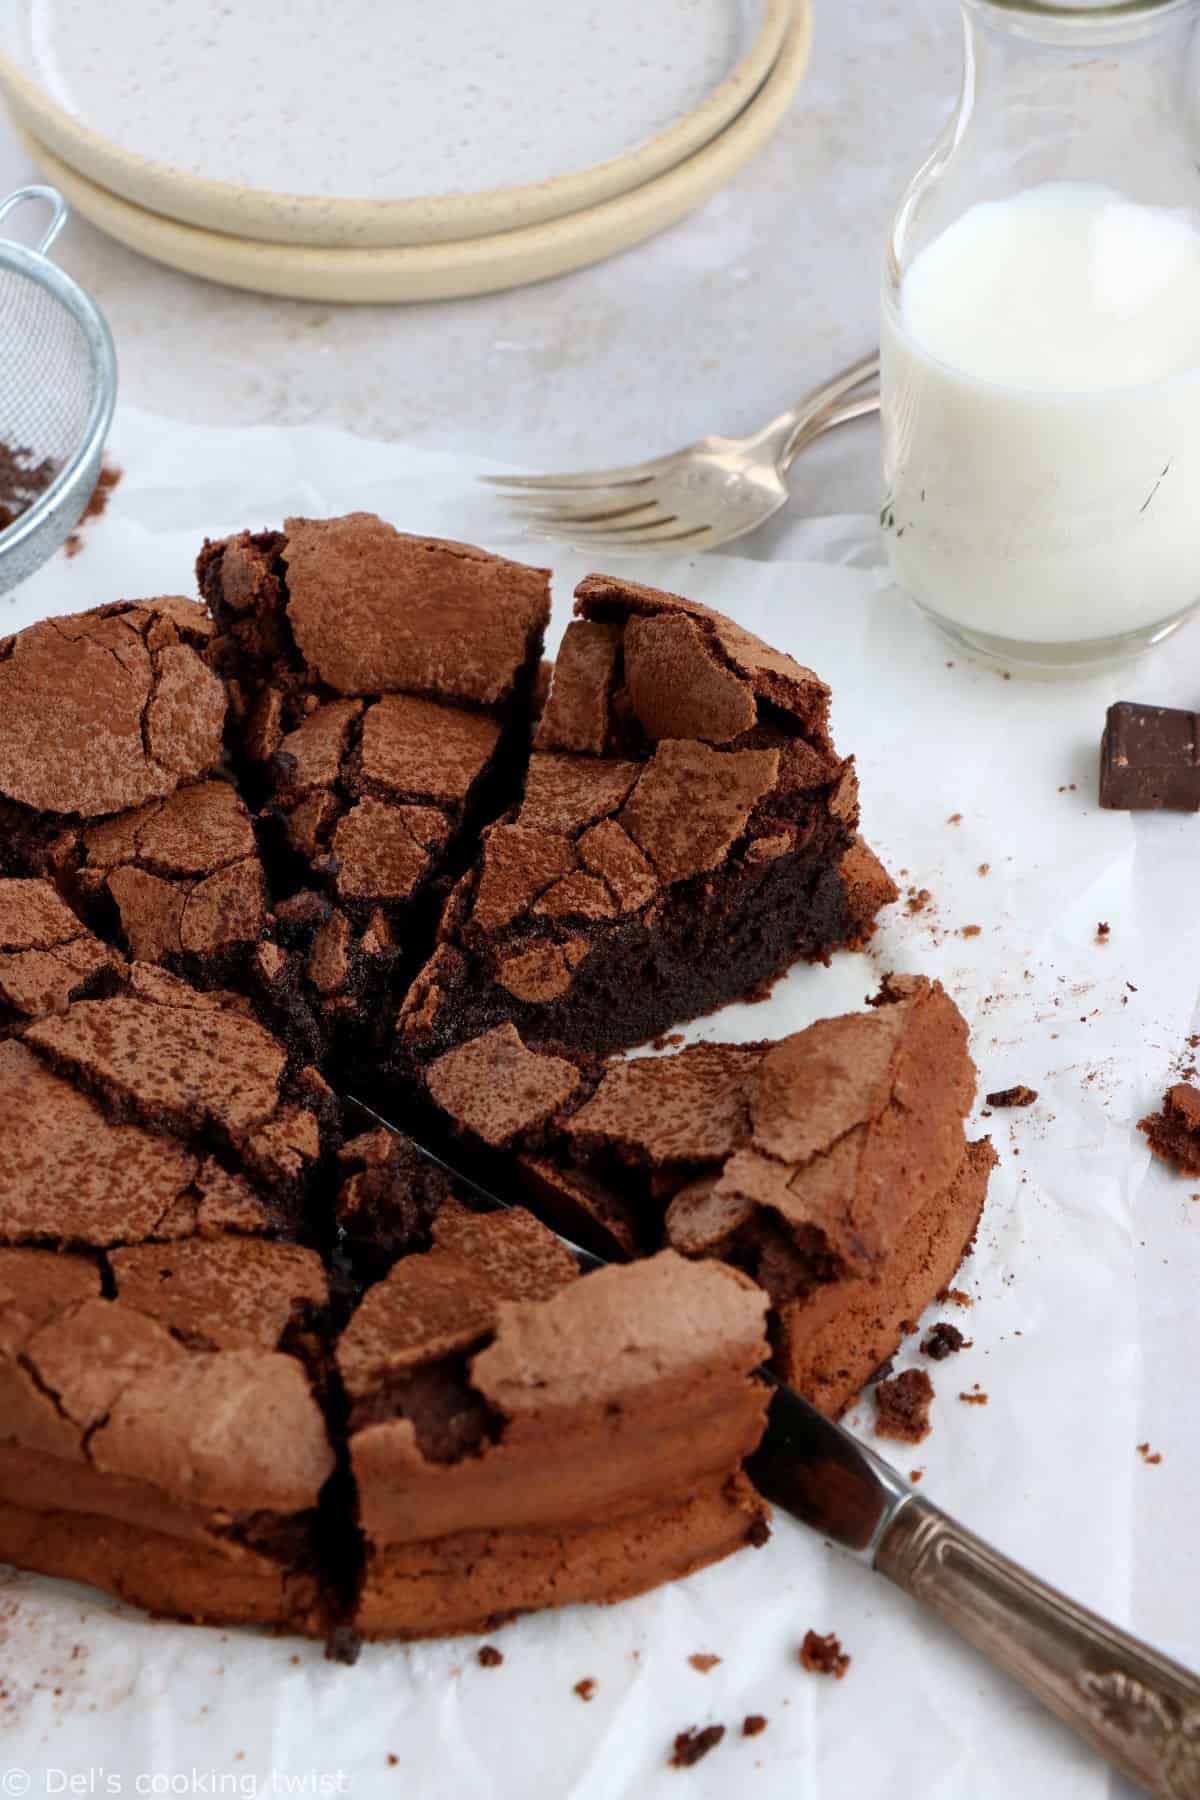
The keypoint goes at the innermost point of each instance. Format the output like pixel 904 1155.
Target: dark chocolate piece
pixel 1150 759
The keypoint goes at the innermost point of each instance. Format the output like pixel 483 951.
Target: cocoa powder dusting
pixel 22 479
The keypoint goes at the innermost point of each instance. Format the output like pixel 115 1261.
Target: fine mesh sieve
pixel 58 385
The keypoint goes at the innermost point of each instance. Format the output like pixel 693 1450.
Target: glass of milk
pixel 1041 340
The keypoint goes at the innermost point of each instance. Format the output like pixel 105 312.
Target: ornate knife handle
pixel 1139 1709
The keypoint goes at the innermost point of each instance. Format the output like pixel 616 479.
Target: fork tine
pixel 602 533
pixel 632 475
pixel 637 539
pixel 572 512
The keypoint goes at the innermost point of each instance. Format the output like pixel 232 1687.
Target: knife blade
pixel 1138 1708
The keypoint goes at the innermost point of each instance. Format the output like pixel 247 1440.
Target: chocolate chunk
pixel 693 1744
pixel 942 1340
pixel 902 1406
pixel 1013 1096
pixel 823 1655
pixel 1150 759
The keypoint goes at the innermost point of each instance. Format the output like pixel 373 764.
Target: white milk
pixel 1041 417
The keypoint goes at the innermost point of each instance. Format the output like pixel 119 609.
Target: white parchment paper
pixel 1084 1327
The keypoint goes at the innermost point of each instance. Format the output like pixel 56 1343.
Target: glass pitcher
pixel 1041 340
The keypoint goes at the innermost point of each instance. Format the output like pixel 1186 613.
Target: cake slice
pixel 158 1112
pixel 831 1166
pixel 686 832
pixel 520 1437
pixel 380 689
pixel 166 1444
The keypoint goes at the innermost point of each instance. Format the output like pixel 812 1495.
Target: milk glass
pixel 1041 340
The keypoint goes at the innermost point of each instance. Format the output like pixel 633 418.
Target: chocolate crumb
pixel 985 868
pixel 882 1372
pixel 969 931
pixel 956 1297
pixel 1102 931
pixel 975 1398
pixel 823 1655
pixel 1174 1133
pixel 490 1657
pixel 754 1724
pixel 917 900
pixel 586 1688
pixel 914 1475
pixel 1013 1096
pixel 692 1744
pixel 758 1533
pixel 704 1660
pixel 97 504
pixel 954 819
pixel 393 1760
pixel 902 1406
pixel 942 1340
pixel 668 1040
pixel 1147 1455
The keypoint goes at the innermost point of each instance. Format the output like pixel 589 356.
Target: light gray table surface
pixel 714 325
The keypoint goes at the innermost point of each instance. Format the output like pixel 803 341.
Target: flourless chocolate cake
pixel 686 832
pixel 264 1361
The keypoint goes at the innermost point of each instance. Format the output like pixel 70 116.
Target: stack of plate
pixel 379 151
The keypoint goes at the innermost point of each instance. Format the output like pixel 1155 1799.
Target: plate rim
pixel 468 267
pixel 323 222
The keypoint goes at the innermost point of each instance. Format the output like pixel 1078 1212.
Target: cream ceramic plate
pixel 447 271
pixel 369 123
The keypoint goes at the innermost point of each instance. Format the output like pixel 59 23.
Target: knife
pixel 1139 1709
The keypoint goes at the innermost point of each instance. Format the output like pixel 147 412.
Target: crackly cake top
pixel 109 1386
pixel 826 1140
pixel 47 957
pixel 106 710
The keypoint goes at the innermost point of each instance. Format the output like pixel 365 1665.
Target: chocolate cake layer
pixel 686 832
pixel 500 1404
pixel 138 1452
pixel 380 691
pixel 831 1166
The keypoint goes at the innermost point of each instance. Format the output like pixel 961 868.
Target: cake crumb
pixel 975 1397
pixel 393 1760
pixel 954 819
pixel 490 1657
pixel 914 1475
pixel 970 931
pixel 1147 1455
pixel 754 1724
pixel 917 900
pixel 823 1655
pixel 956 1297
pixel 704 1660
pixel 985 868
pixel 586 1688
pixel 902 1406
pixel 1174 1133
pixel 942 1340
pixel 1013 1096
pixel 1102 932
pixel 693 1744
pixel 668 1040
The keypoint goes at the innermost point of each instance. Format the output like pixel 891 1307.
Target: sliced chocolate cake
pixel 831 1166
pixel 521 1437
pixel 686 832
pixel 380 690
pixel 157 1438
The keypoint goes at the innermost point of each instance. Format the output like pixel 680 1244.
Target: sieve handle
pixel 59 211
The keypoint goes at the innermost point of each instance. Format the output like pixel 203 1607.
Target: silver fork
pixel 711 491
